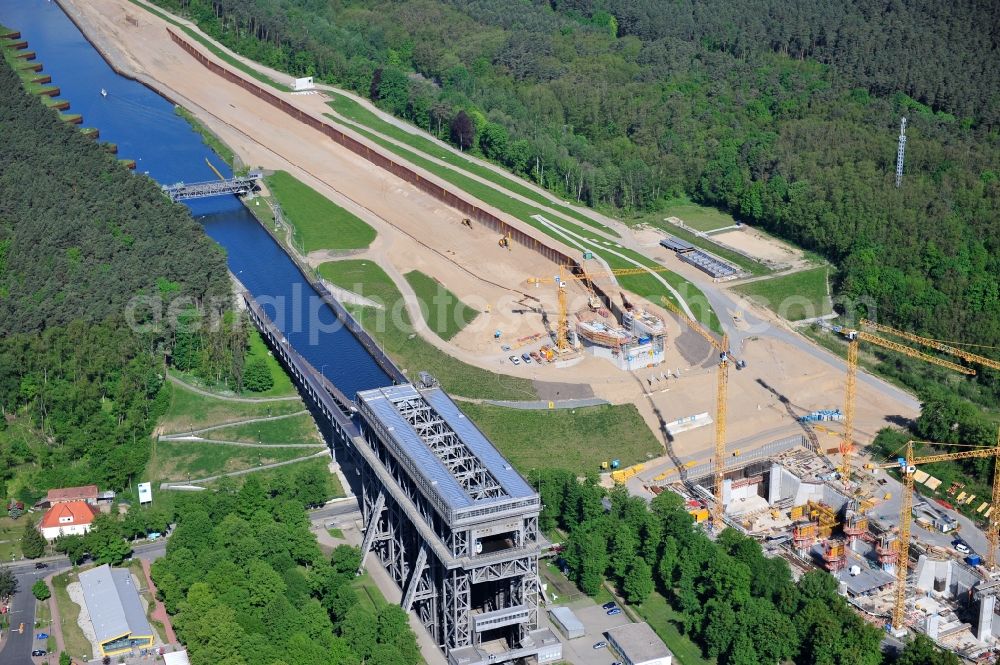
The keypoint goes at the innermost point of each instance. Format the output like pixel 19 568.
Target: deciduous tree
pixel 41 590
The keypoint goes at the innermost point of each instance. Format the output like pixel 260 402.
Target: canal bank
pixel 138 117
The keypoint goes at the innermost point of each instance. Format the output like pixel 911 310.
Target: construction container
pixel 624 474
pixel 699 515
pixel 974 560
pixel 797 512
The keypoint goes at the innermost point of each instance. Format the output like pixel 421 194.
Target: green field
pixel 208 137
pixel 445 314
pixel 319 223
pixel 188 410
pixel 297 429
pixel 368 594
pixel 411 352
pixel 215 50
pixel 10 536
pixel 283 386
pixel 577 440
pixel 77 645
pixel 794 297
pixel 179 461
pixel 642 285
pixel 664 620
pixel 699 217
pixel 356 113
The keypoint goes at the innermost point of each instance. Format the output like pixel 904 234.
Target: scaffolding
pixel 825 518
pixel 803 537
pixel 855 521
pixel 834 556
pixel 887 551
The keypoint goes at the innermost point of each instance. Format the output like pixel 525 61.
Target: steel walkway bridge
pixel 238 185
pixel 452 522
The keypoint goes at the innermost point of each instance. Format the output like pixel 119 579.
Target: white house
pixel 72 518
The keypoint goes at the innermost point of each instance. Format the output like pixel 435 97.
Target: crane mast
pixel 721 396
pixel 719 464
pixel 906 515
pixel 562 328
pixel 855 337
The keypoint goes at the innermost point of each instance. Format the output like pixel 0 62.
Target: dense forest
pixel 740 606
pixel 784 113
pixel 80 236
pixel 248 585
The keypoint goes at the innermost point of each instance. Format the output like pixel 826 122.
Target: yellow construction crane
pixel 907 467
pixel 855 337
pixel 566 274
pixel 722 391
pixel 934 344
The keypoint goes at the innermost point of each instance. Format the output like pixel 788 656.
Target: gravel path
pixel 242 444
pixel 243 472
pixel 75 591
pixel 196 433
pixel 228 398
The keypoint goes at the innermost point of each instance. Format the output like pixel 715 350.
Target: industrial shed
pixel 115 610
pixel 567 622
pixel 637 644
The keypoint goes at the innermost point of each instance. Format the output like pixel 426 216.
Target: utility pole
pixel 900 152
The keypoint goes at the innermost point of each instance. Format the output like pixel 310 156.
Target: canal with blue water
pixel 145 128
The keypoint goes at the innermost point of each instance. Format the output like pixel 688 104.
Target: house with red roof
pixel 86 493
pixel 72 518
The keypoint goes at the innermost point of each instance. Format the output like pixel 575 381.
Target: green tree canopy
pixel 41 590
pixel 32 542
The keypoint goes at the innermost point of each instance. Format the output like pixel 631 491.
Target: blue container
pixel 974 560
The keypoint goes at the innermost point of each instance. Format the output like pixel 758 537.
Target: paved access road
pixel 18 646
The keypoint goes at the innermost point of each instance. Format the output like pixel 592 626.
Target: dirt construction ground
pixel 762 247
pixel 416 231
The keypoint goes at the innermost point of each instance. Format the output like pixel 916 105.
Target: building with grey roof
pixel 676 244
pixel 115 610
pixel 566 621
pixel 637 644
pixel 454 524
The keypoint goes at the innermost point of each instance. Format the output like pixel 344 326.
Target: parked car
pixel 514 360
pixel 615 612
pixel 534 356
pixel 42 636
pixel 40 565
pixel 961 546
pixel 39 652
pixel 526 358
pixel 601 645
pixel 609 606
